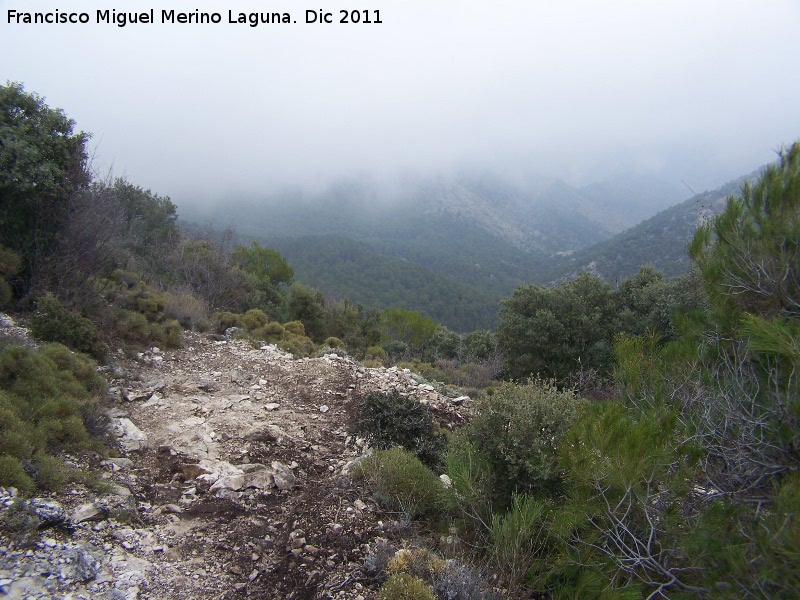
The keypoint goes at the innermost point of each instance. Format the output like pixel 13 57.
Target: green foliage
pixel 294 328
pixel 43 162
pixel 169 333
pixel 407 326
pixel 265 263
pixel 480 345
pixel 9 265
pixel 52 322
pixel 333 342
pixel 444 344
pixel 269 275
pixel 567 331
pixel 48 398
pixel 402 586
pixel 271 331
pixel 519 430
pixel 346 268
pixel 356 326
pixel 131 327
pixel 298 345
pixel 401 482
pixel 254 318
pixel 307 305
pixel 516 539
pixel 225 320
pixel 145 228
pixel 389 420
pixel 749 255
pixel 377 353
pixel 553 331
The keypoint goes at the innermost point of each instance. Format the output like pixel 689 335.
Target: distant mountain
pixel 453 247
pixel 660 240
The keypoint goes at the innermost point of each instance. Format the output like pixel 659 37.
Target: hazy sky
pixel 693 90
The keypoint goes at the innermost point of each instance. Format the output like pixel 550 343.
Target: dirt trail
pixel 234 482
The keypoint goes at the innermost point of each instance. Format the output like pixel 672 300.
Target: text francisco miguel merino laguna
pixel 253 19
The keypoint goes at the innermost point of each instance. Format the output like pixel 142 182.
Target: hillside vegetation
pixel 631 442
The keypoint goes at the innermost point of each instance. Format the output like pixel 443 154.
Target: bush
pixel 168 334
pixel 254 318
pixel 517 539
pixel 187 310
pixel 52 322
pixel 388 420
pixel 458 581
pixel 225 320
pixel 518 429
pixel 400 482
pixel 298 345
pixel 49 398
pixel 403 586
pixel 333 342
pixel 9 265
pixel 377 353
pixel 131 327
pixel 295 328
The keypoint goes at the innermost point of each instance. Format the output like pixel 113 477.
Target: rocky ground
pixel 232 481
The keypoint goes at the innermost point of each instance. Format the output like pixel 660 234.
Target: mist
pixel 687 93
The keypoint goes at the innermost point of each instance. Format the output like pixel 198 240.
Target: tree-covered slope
pixel 344 268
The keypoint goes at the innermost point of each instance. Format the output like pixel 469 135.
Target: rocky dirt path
pixel 232 483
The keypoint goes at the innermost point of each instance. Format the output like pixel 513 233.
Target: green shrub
pixel 168 334
pixel 518 429
pixel 271 332
pixel 377 353
pixel 49 399
pixel 224 320
pixel 254 318
pixel 295 328
pixel 298 345
pixel 9 265
pixel 333 342
pixel 399 481
pixel 52 322
pixel 388 420
pixel 273 328
pixel 12 474
pixel 403 586
pixel 132 327
pixel 517 538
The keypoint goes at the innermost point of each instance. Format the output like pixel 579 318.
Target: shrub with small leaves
pixel 400 482
pixel 48 398
pixel 52 322
pixel 333 342
pixel 388 420
pixel 403 586
pixel 518 430
pixel 254 318
pixel 169 333
pixel 225 320
pixel 295 328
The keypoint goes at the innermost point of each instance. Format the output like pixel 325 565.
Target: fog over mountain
pixel 578 91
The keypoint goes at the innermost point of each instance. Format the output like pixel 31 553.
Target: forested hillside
pixel 453 248
pixel 345 268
